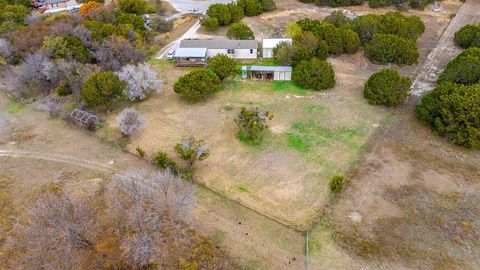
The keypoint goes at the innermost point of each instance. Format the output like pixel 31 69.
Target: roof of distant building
pixel 55 1
pixel 271 68
pixel 191 52
pixel 218 44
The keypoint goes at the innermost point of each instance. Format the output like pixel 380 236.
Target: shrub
pixel 102 89
pixel 420 4
pixel 115 52
pixel 386 87
pixel 236 13
pixel 379 3
pixel 464 69
pixel 385 49
pixel 314 74
pixel 140 151
pixel 196 85
pixel 222 65
pixel 211 24
pixel 468 36
pixel 285 53
pixel 307 46
pixel 138 7
pixel 333 36
pixel 140 80
pixel 221 12
pixel 163 162
pixel 161 25
pixel 252 122
pixel 130 121
pixel 336 183
pixel 292 29
pixel 338 19
pixel 453 110
pixel 86 8
pixel 269 5
pixel 366 26
pixel 55 47
pixel 63 90
pixel 251 7
pixel 191 150
pixel 240 31
pixel 351 41
pixel 135 20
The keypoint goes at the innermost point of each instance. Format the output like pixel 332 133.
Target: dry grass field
pixel 313 135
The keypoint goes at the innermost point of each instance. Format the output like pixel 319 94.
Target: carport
pixel 269 73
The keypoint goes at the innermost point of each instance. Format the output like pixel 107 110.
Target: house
pixel 237 49
pixel 59 4
pixel 268 73
pixel 268 44
pixel 191 57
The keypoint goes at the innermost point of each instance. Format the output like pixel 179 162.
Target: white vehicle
pixel 195 11
pixel 170 54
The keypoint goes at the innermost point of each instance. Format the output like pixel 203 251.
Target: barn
pixel 271 73
pixel 268 44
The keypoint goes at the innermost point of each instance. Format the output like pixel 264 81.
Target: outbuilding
pixel 268 44
pixel 191 57
pixel 271 73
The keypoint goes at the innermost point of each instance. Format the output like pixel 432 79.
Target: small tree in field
pixel 386 87
pixel 240 31
pixel 102 89
pixel 314 74
pixel 162 160
pixel 191 150
pixel 130 121
pixel 222 65
pixel 140 80
pixel 252 122
pixel 197 85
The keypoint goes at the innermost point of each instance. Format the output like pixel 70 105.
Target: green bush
pixel 211 24
pixel 453 110
pixel 252 122
pixel 333 36
pixel 285 53
pixel 251 7
pixel 140 151
pixel 379 3
pixel 384 49
pixel 138 7
pixel 338 19
pixel 221 12
pixel 337 183
pixel 102 89
pixel 197 85
pixel 386 87
pixel 420 4
pixel 269 5
pixel 63 90
pixel 314 74
pixel 351 41
pixel 468 36
pixel 163 162
pixel 240 31
pixel 464 69
pixel 133 19
pixel 222 65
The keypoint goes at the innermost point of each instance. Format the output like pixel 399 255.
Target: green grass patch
pixel 243 189
pixel 307 136
pixel 248 140
pixel 288 86
pixel 14 108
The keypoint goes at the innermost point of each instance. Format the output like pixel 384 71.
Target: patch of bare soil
pixel 413 200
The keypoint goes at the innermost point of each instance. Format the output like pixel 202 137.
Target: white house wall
pixel 282 76
pixel 239 53
pixel 267 53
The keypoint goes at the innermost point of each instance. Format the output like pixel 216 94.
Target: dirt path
pixel 445 50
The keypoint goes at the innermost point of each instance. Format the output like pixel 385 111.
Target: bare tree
pixel 83 34
pixel 58 234
pixel 140 79
pixel 74 74
pixel 38 68
pixel 148 210
pixel 5 48
pixel 115 52
pixel 130 121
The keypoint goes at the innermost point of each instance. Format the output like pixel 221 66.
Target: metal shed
pixel 191 57
pixel 275 73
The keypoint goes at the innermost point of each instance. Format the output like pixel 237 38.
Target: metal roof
pixel 55 1
pixel 191 52
pixel 271 68
pixel 270 43
pixel 218 44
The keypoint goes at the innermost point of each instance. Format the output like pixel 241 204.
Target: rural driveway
pixel 445 49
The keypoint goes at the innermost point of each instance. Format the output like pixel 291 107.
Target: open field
pixel 312 136
pixel 40 153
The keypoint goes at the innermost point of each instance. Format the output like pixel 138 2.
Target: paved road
pixel 445 49
pixel 184 6
pixel 191 33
